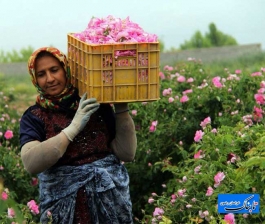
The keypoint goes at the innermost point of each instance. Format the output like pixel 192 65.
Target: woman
pixel 75 146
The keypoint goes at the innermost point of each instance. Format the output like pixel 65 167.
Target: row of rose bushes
pixel 203 137
pixel 18 189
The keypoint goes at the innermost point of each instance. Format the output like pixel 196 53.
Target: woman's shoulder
pixel 29 110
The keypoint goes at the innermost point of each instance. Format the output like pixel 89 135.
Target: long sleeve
pixel 39 156
pixel 125 142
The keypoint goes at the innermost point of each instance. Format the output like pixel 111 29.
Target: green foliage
pixel 16 56
pixel 214 38
pixel 247 63
pixel 196 41
pixel 217 38
pixel 165 156
pixel 14 180
pixel 216 148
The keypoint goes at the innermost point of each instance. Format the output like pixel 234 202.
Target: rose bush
pixel 207 140
pixel 17 187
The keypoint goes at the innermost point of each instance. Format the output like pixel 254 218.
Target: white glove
pixel 85 109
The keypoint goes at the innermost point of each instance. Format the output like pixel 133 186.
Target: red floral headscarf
pixel 54 101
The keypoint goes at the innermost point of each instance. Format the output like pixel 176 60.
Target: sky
pixel 39 23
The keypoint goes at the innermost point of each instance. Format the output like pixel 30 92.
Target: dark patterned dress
pixel 88 184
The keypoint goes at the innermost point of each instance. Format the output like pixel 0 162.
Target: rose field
pixel 205 136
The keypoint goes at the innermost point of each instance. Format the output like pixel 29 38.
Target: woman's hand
pixel 85 109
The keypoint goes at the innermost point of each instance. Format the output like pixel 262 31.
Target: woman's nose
pixel 50 77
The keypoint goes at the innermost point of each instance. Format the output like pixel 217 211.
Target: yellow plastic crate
pixel 97 70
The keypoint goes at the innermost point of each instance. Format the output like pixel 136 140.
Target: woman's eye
pixel 40 74
pixel 54 70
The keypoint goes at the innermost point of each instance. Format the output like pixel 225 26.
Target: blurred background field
pixel 23 93
pixel 19 89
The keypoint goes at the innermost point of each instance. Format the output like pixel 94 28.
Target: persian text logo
pixel 238 203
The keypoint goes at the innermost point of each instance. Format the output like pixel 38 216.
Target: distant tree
pixel 173 49
pixel 196 41
pixel 16 56
pixel 3 58
pixel 217 38
pixel 26 53
pixel 214 38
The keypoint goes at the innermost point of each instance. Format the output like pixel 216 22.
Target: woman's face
pixel 50 75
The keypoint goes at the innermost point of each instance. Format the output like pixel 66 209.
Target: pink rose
pixel 158 211
pixel 181 192
pixel 230 218
pixel 10 213
pixel 187 91
pixel 170 99
pixel 189 80
pixel 262 84
pixel 260 98
pixel 256 74
pixel 181 79
pixel 167 92
pixel 214 130
pixel 168 68
pixel 238 71
pixel 8 134
pixel 173 196
pixel 198 155
pixel 206 121
pixel 198 135
pixel 134 112
pixel 150 200
pixel 209 191
pixel 216 82
pixel 218 178
pixel 161 75
pixel 34 208
pixel 4 196
pixel 184 99
pixel 197 169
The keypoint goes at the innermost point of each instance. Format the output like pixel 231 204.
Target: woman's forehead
pixel 46 62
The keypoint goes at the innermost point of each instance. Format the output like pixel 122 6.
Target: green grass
pixel 19 90
pixel 248 64
pixel 21 84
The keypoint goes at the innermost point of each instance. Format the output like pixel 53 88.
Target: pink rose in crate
pixel 111 30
